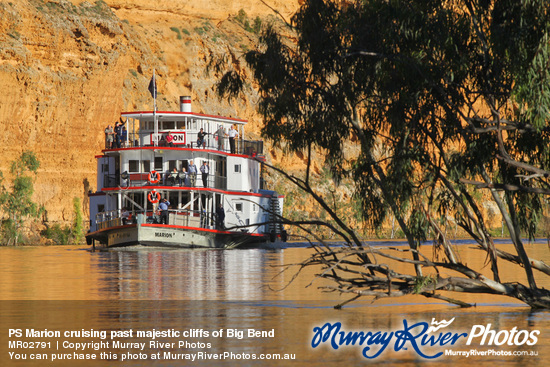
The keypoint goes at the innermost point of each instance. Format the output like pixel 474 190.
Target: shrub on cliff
pixel 16 202
pixel 68 235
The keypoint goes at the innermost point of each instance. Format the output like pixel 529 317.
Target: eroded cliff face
pixel 68 68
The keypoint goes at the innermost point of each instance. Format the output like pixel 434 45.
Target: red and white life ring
pixel 154 177
pixel 153 197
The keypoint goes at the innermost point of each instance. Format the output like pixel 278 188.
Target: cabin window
pixel 237 168
pixel 239 207
pixel 146 166
pixel 172 165
pixel 180 125
pixel 173 199
pixel 133 166
pixel 158 163
pixel 168 125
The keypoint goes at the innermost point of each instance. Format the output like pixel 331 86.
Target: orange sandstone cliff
pixel 68 68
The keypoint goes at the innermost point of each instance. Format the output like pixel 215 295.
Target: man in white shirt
pixel 232 135
pixel 205 169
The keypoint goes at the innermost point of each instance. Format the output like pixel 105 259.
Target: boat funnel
pixel 185 103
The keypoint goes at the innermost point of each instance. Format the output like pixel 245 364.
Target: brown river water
pixel 69 306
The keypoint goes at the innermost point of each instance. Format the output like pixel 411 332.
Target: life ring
pixel 154 177
pixel 153 197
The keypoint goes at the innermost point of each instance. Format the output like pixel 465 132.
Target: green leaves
pixel 17 204
pixel 420 91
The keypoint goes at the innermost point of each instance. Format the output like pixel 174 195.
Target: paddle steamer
pixel 155 159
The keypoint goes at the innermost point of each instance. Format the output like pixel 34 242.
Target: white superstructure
pixel 152 161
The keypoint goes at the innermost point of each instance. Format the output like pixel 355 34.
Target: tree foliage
pixel 16 203
pixel 67 235
pixel 438 98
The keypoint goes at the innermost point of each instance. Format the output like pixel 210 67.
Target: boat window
pixel 173 199
pixel 146 166
pixel 237 168
pixel 181 125
pixel 172 165
pixel 158 164
pixel 133 165
pixel 239 207
pixel 168 125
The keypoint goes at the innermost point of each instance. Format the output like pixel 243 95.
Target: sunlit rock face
pixel 68 68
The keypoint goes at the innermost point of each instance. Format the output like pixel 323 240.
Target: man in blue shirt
pixel 163 207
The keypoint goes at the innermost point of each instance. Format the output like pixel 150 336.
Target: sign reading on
pixel 179 138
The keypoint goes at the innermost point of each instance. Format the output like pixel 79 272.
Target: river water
pixel 237 306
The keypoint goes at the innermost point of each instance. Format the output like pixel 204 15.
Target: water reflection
pixel 67 288
pixel 186 274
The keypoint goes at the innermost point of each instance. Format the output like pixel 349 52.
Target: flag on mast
pixel 153 87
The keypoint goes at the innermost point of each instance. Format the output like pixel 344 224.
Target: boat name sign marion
pixel 162 234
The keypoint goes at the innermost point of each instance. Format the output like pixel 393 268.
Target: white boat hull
pixel 170 236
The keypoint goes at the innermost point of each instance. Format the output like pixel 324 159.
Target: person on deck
pixel 192 173
pixel 205 169
pixel 118 134
pixel 220 214
pixel 200 139
pixel 125 216
pixel 163 207
pixel 221 136
pixel 170 139
pixel 174 176
pixel 183 177
pixel 109 132
pixel 232 135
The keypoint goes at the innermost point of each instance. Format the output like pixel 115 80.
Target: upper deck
pixel 139 131
pixel 164 141
pixel 152 128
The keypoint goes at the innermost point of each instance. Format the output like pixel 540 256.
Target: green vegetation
pixel 418 102
pixel 77 229
pixel 59 235
pixel 201 30
pixel 99 8
pixel 68 235
pixel 16 202
pixel 243 19
pixel 177 30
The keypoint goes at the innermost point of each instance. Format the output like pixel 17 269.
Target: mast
pixel 153 90
pixel 155 121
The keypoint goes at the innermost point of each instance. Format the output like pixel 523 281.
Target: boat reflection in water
pixel 189 274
